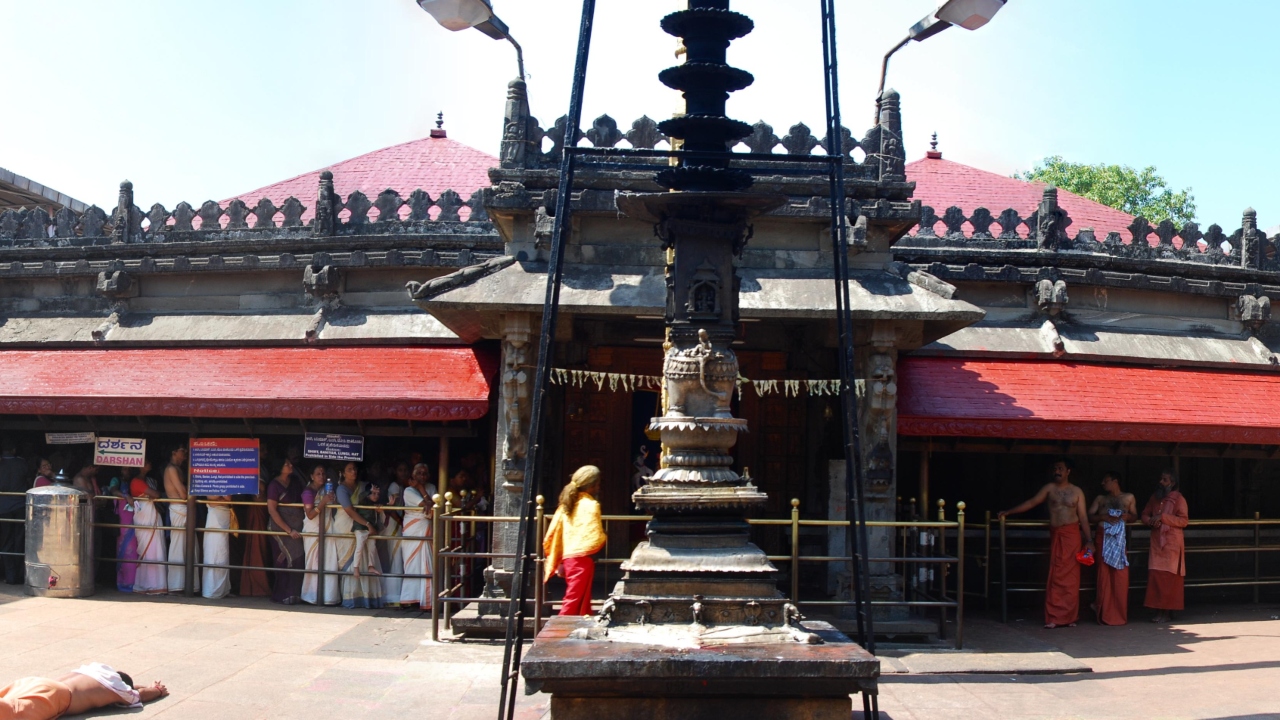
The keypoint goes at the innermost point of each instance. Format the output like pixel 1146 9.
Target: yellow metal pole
pixel 795 550
pixel 1004 575
pixel 433 586
pixel 960 576
pixel 442 471
pixel 446 574
pixel 924 478
pixel 1257 554
pixel 540 588
pixel 986 561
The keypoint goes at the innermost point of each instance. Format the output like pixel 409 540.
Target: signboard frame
pixel 333 447
pixel 119 452
pixel 224 466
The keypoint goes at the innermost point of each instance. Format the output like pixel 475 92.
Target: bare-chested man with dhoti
pixel 1110 511
pixel 1069 528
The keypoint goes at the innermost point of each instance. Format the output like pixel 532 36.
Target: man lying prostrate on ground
pixel 89 687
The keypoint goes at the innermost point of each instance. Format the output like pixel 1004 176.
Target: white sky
pixel 200 99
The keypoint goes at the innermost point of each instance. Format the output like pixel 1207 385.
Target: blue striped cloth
pixel 1113 542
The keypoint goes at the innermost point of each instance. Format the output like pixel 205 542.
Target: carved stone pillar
pixel 514 400
pixel 878 417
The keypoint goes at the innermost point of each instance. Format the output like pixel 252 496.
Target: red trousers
pixel 1113 588
pixel 579 572
pixel 1062 596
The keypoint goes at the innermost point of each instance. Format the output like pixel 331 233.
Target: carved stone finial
pixel 893 155
pixel 934 153
pixel 1250 245
pixel 327 207
pixel 1051 221
pixel 438 131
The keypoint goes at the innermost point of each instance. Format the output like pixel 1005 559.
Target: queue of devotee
pixel 376 519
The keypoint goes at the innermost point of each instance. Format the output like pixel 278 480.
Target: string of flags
pixel 631 383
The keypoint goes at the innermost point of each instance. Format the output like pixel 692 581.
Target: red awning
pixel 347 383
pixel 1071 401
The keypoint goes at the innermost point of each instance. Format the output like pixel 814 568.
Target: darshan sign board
pixel 319 446
pixel 119 452
pixel 224 466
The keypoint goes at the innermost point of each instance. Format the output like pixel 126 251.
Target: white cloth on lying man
pixel 111 680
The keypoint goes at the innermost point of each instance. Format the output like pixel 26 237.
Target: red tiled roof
pixel 941 184
pixel 1075 401
pixel 383 383
pixel 432 164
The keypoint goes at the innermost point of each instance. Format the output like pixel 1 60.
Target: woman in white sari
pixel 151 579
pixel 417 553
pixel 389 550
pixel 315 503
pixel 357 558
pixel 216 582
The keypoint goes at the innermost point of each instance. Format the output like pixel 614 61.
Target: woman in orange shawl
pixel 576 533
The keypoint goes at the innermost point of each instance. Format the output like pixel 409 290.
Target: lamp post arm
pixel 884 71
pixel 519 54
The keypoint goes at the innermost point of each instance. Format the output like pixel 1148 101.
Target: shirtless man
pixel 1069 525
pixel 1110 511
pixel 90 687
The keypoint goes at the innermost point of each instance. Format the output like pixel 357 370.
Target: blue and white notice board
pixel 224 466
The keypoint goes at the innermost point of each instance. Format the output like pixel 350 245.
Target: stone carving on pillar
pixel 516 332
pixel 116 285
pixel 1051 297
pixel 1254 311
pixel 881 403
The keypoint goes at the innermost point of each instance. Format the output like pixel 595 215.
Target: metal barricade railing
pixel 18 521
pixel 191 566
pixel 1250 532
pixel 453 530
pixel 940 595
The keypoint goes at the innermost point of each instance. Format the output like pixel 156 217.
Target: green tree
pixel 1137 192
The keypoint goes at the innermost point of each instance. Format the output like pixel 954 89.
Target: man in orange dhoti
pixel 89 687
pixel 1166 513
pixel 1068 529
pixel 1110 511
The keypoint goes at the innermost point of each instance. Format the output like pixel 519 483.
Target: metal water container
pixel 59 540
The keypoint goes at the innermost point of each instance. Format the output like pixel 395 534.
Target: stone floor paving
pixel 244 659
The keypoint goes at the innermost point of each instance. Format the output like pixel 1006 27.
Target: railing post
pixel 960 575
pixel 1257 555
pixel 795 550
pixel 986 562
pixel 1004 575
pixel 322 598
pixel 539 587
pixel 943 567
pixel 446 575
pixel 433 586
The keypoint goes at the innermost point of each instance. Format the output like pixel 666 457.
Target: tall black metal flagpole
pixel 855 510
pixel 527 535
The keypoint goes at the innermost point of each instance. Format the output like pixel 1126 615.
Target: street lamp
pixel 968 14
pixel 458 15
